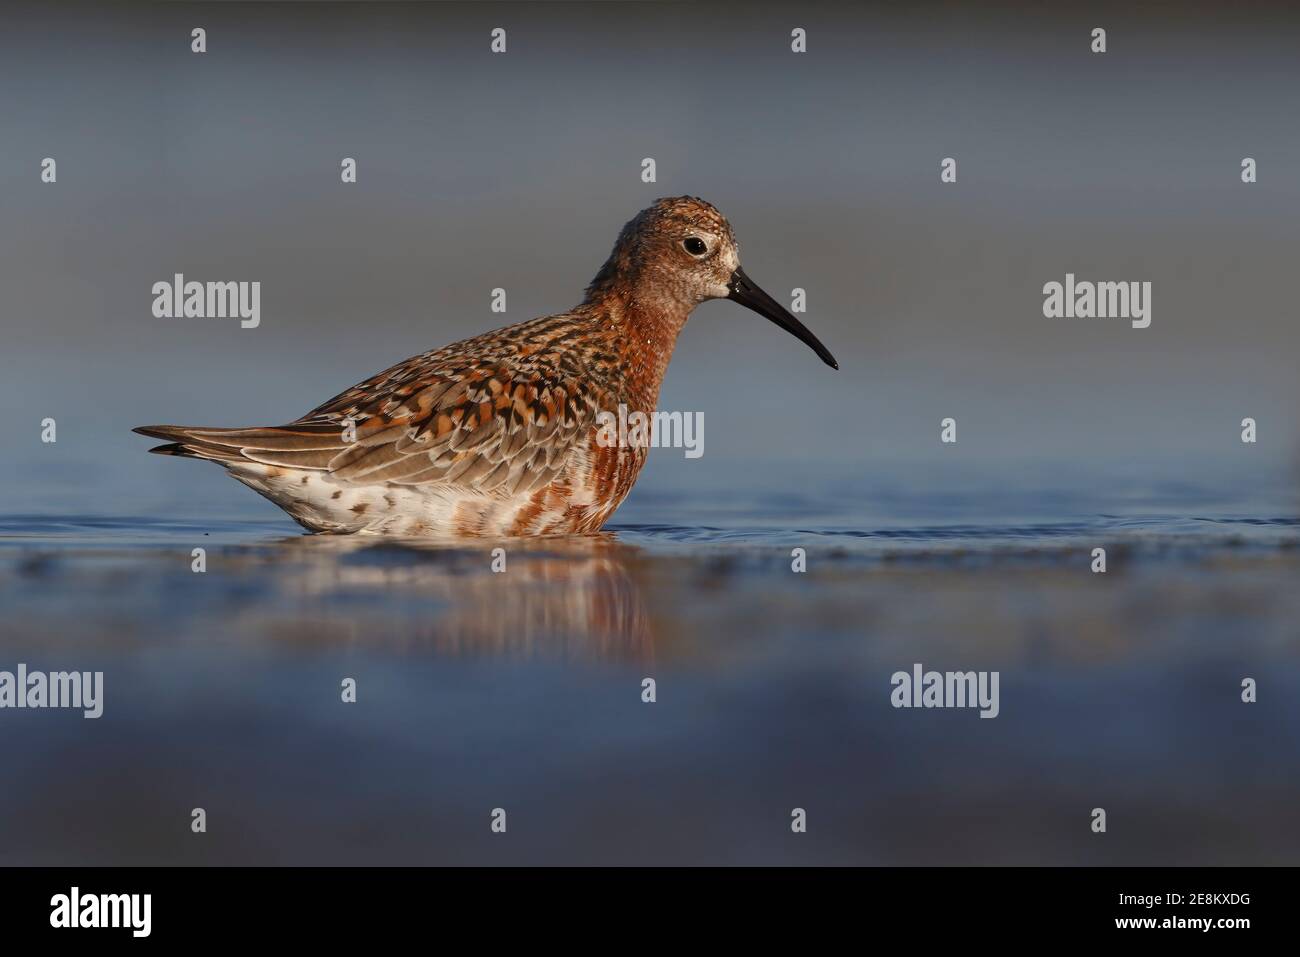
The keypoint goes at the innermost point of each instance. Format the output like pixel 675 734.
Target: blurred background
pixel 478 171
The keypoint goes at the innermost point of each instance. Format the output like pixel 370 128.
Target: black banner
pixel 331 906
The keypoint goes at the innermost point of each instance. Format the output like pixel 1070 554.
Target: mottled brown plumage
pixel 497 435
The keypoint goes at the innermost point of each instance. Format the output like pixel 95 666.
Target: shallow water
pixel 522 690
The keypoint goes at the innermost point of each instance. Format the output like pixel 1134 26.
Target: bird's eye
pixel 695 246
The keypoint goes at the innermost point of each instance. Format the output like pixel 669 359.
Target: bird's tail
pixel 189 442
pixel 299 445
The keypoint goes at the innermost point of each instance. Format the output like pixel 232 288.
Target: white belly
pixel 321 504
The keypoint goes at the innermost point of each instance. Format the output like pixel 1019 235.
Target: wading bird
pixel 497 435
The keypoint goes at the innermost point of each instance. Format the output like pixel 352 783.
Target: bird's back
pixel 493 435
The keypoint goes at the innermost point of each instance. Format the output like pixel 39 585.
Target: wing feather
pixel 500 413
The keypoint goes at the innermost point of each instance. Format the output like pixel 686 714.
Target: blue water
pixel 522 689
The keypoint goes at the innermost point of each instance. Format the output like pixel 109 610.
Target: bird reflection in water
pixel 570 596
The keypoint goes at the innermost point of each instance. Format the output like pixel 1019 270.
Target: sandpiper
pixel 496 435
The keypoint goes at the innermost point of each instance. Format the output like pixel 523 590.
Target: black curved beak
pixel 744 291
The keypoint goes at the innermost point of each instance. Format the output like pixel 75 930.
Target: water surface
pixel 523 689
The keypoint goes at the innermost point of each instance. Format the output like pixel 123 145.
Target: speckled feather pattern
pixel 494 435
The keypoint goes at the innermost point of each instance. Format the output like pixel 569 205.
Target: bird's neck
pixel 642 328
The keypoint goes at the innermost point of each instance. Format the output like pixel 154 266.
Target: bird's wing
pixel 479 425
